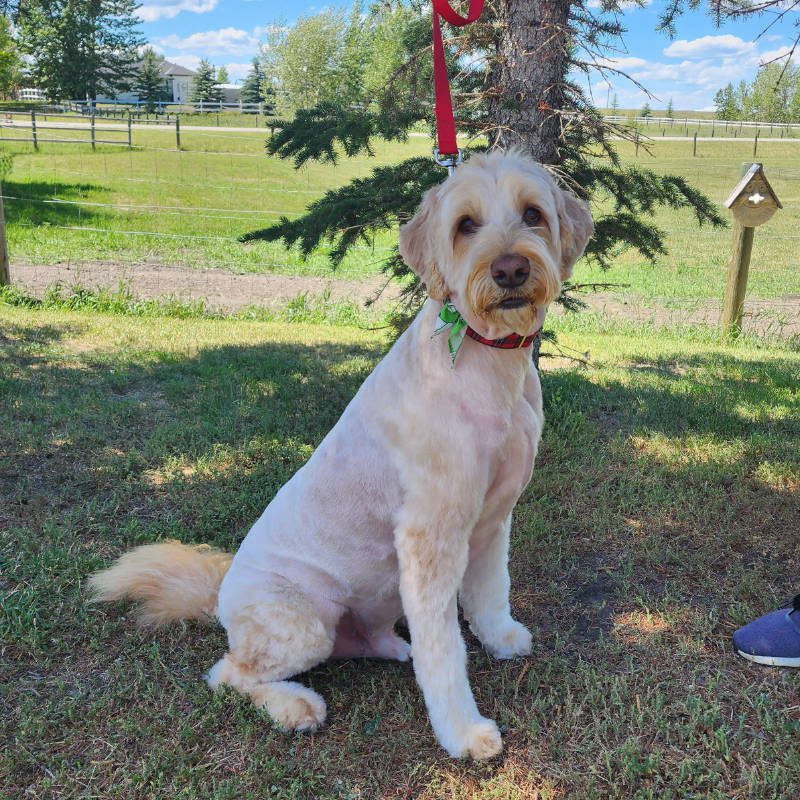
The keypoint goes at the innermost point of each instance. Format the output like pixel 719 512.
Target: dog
pixel 404 509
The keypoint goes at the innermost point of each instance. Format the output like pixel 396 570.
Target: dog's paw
pixel 511 639
pixel 479 740
pixel 292 706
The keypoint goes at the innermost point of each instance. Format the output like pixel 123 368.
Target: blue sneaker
pixel 773 639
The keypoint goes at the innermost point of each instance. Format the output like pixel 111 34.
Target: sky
pixel 688 69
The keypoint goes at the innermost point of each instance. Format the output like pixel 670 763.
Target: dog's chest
pixel 512 455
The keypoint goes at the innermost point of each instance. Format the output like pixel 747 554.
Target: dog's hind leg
pixel 270 641
pixel 485 602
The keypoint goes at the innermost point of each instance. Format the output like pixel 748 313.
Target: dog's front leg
pixel 432 555
pixel 485 598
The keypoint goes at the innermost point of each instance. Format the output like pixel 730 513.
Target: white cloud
pixel 185 60
pixel 625 5
pixel 709 47
pixel 169 9
pixel 237 71
pixel 225 41
pixel 780 53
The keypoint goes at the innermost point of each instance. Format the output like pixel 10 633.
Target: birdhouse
pixel 753 200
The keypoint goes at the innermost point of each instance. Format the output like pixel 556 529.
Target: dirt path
pixel 227 291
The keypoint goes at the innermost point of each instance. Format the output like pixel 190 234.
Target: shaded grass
pixel 662 513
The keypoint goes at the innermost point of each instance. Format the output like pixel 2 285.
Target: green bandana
pixel 449 315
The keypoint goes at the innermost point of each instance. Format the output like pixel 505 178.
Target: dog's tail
pixel 173 581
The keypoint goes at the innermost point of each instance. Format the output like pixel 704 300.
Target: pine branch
pixel 355 212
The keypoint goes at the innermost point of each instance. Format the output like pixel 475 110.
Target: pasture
pixel 662 513
pixel 67 204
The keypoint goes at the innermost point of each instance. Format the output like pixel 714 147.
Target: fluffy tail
pixel 172 580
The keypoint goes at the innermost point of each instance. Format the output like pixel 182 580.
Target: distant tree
pixel 308 59
pixel 205 88
pixel 149 83
pixel 222 75
pixel 646 111
pixel 725 103
pixel 670 111
pixel 10 61
pixel 614 105
pixel 80 49
pixel 251 86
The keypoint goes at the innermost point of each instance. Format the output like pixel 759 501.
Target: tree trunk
pixel 527 82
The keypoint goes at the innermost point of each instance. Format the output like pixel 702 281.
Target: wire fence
pixel 168 221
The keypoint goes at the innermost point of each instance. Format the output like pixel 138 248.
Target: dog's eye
pixel 467 226
pixel 532 216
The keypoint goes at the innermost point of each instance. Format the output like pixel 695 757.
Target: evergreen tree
pixel 10 61
pixel 646 111
pixel 80 49
pixel 513 100
pixel 205 88
pixel 670 111
pixel 149 83
pixel 251 86
pixel 614 105
pixel 222 75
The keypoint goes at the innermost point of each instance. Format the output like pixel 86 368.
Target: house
pixel 178 80
pixel 177 83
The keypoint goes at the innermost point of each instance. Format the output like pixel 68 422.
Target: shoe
pixel 773 639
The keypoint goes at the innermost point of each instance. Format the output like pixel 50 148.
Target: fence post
pixel 33 131
pixel 5 274
pixel 177 131
pixel 94 147
pixel 130 136
pixel 694 145
pixel 637 143
pixel 755 144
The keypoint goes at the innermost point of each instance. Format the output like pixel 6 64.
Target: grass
pixel 196 201
pixel 662 514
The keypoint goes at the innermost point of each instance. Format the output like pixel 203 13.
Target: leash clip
pixel 450 161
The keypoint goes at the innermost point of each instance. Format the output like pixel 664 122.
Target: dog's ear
pixel 417 246
pixel 577 228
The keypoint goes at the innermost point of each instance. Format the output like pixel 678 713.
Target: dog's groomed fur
pixel 405 507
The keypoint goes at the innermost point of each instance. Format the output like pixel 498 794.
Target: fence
pixel 712 126
pixel 41 126
pixel 145 215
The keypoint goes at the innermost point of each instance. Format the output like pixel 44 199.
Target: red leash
pixel 445 124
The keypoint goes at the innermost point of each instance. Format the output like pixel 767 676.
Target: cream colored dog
pixel 405 507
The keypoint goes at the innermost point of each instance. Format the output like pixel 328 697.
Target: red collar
pixel 511 342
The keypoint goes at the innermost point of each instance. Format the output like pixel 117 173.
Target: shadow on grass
pixel 625 517
pixel 27 203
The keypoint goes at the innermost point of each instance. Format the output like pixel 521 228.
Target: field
pixel 662 514
pixel 67 204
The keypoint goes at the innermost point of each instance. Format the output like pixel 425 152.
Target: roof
pixel 169 70
pixel 756 176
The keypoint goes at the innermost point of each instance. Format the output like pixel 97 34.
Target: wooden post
pixel 5 274
pixel 91 128
pixel 177 132
pixel 755 145
pixel 33 131
pixel 694 144
pixel 637 143
pixel 736 287
pixel 130 132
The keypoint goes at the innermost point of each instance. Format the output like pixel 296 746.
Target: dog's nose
pixel 510 271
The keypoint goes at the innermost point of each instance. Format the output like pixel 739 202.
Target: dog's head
pixel 498 237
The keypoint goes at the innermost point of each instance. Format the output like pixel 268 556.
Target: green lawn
pixel 221 185
pixel 662 514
